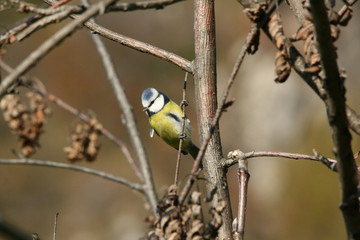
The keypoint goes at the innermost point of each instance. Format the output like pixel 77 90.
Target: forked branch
pixel 49 44
pixel 136 44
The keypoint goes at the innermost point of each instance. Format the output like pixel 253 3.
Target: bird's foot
pixel 184 103
pixel 182 136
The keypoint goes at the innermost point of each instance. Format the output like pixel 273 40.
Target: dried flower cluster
pixel 84 141
pixel 282 67
pixel 256 15
pixel 25 121
pixel 176 222
pixel 306 33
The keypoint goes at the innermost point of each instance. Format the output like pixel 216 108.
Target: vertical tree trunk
pixel 206 100
pixel 335 102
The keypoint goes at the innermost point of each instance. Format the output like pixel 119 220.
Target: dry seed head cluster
pixel 256 15
pixel 84 141
pixel 25 121
pixel 177 222
pixel 306 33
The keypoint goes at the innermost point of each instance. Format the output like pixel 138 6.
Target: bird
pixel 165 118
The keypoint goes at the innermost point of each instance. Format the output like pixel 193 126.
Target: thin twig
pixel 334 100
pixel 144 5
pixel 86 118
pixel 194 170
pixel 126 107
pixel 136 44
pixel 114 80
pixel 55 225
pixel 78 168
pixel 181 140
pixel 9 36
pixel 56 17
pixel 28 7
pixel 229 162
pixel 51 43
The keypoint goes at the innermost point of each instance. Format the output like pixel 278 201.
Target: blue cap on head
pixel 150 94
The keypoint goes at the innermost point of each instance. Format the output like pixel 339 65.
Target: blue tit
pixel 165 118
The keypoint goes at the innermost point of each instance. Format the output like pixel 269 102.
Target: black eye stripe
pixel 151 103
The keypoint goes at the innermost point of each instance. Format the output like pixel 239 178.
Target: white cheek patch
pixel 157 105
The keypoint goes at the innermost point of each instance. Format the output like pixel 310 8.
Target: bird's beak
pixel 146 110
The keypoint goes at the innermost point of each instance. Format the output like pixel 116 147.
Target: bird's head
pixel 153 101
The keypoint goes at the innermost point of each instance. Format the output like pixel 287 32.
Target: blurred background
pixel 287 198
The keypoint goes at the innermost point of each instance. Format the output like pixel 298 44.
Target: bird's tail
pixel 194 150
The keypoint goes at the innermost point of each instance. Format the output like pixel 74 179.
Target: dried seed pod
pixel 282 67
pixel 306 33
pixel 84 141
pixel 25 121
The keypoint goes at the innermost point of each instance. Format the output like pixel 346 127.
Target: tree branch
pixel 9 36
pixel 335 106
pixel 90 171
pixel 125 106
pixel 229 162
pixel 49 44
pixel 206 101
pixel 243 181
pixel 214 122
pixel 144 5
pixel 143 47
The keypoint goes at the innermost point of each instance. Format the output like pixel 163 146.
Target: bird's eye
pixel 151 103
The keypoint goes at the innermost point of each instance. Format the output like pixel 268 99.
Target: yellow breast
pixel 167 123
